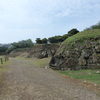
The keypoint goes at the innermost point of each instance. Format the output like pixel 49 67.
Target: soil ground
pixel 26 81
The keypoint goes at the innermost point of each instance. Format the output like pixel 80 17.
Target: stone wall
pixel 43 51
pixel 38 51
pixel 80 56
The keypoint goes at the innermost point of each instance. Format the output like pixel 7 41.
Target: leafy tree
pixel 38 41
pixel 11 48
pixel 3 49
pixel 64 37
pixel 44 41
pixel 29 43
pixel 23 44
pixel 97 26
pixel 55 39
pixel 72 32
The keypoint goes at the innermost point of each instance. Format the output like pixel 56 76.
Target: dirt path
pixel 27 82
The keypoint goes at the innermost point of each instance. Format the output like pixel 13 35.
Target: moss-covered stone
pixel 82 49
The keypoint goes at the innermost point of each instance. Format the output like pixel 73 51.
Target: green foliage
pixel 3 49
pixel 89 75
pixel 64 37
pixel 44 41
pixel 97 26
pixel 79 38
pixel 22 44
pixel 73 32
pixel 82 36
pixel 58 39
pixel 11 48
pixel 55 39
pixel 38 41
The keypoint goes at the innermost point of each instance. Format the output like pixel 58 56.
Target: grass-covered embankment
pixel 92 76
pixel 82 36
pixel 89 75
pixel 78 51
pixel 79 38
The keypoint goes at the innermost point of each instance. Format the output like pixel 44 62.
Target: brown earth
pixel 25 81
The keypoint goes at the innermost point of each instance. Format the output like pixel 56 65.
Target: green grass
pixel 88 34
pixel 89 75
pixel 79 38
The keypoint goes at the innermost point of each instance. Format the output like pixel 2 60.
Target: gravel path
pixel 24 81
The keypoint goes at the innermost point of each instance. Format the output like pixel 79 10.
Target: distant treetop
pixel 97 26
pixel 73 32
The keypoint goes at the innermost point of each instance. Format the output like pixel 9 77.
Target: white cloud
pixel 45 16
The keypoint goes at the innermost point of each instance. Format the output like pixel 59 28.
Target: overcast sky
pixel 24 19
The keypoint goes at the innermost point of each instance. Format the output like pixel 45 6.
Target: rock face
pixel 80 56
pixel 38 51
pixel 20 52
pixel 43 51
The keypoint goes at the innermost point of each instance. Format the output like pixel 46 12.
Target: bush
pixel 38 41
pixel 97 26
pixel 73 32
pixel 23 44
pixel 44 40
pixel 55 39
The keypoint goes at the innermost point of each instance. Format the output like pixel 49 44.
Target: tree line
pixel 96 26
pixel 57 39
pixel 28 43
pixel 7 48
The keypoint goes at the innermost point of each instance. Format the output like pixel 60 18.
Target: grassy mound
pixel 79 38
pixel 82 36
pixel 80 51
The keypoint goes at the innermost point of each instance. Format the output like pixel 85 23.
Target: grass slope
pixel 82 36
pixel 79 38
pixel 89 75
